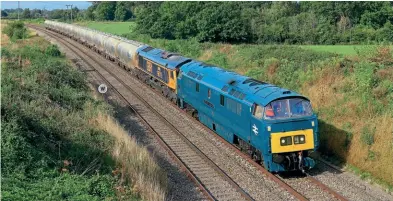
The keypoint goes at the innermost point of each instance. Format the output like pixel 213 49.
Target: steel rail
pixel 166 146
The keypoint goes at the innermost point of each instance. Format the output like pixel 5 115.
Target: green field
pixel 338 49
pixel 117 28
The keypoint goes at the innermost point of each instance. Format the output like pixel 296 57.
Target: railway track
pixel 213 181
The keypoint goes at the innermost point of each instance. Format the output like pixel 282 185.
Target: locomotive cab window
pixel 258 111
pixel 288 108
pixel 222 100
pixel 140 62
pixel 171 73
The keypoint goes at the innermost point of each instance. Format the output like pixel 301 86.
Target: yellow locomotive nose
pixel 291 141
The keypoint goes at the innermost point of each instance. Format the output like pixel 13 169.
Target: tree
pixel 147 16
pixel 377 18
pixel 219 21
pixel 36 13
pixel 385 33
pixel 4 14
pixel 57 14
pixel 26 13
pixel 121 12
pixel 89 14
pixel 105 11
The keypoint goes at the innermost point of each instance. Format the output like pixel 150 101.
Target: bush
pixel 367 135
pixel 364 75
pixel 15 30
pixel 53 51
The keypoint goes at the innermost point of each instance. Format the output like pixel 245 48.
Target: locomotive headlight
pixel 269 128
pixel 312 123
pixel 284 141
pixel 299 139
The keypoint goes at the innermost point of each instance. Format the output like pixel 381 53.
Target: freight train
pixel 275 126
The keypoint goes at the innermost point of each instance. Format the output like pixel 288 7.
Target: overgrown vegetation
pixel 58 141
pixel 15 30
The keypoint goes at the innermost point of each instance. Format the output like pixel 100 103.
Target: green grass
pixel 50 149
pixel 117 28
pixel 338 49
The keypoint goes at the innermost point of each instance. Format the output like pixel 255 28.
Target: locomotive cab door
pixel 257 131
pixel 255 122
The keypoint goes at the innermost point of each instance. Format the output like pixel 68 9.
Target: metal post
pixel 18 10
pixel 71 13
pixel 71 10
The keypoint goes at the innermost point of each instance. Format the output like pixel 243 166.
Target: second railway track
pixel 214 182
pixel 211 179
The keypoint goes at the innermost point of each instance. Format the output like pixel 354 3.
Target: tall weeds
pixel 136 164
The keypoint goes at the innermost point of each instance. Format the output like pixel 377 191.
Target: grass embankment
pixel 351 89
pixel 58 141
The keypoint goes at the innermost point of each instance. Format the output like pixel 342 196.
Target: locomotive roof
pixel 168 59
pixel 239 86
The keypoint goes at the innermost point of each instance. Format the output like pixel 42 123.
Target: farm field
pixel 117 28
pixel 338 49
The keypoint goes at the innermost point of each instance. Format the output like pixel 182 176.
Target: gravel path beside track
pixel 348 184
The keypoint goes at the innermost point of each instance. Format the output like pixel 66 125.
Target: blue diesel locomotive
pixel 275 126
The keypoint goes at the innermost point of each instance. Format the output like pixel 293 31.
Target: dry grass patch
pixel 375 158
pixel 4 38
pixel 137 166
pixel 207 54
pixel 323 91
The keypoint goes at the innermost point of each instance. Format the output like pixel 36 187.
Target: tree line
pixel 246 22
pixel 269 22
pixel 59 14
pixel 256 22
